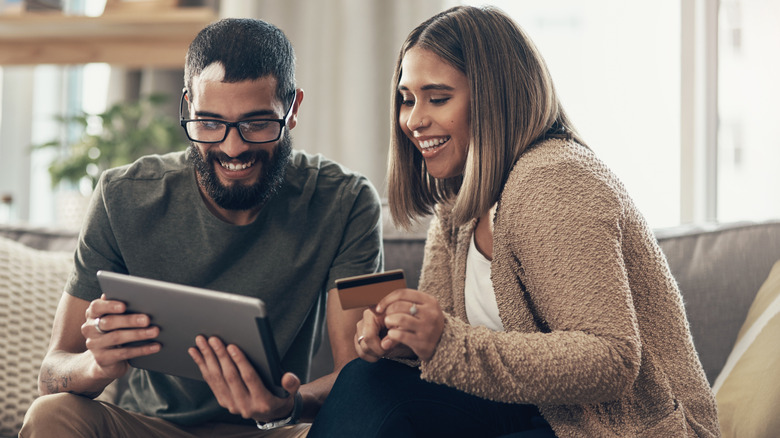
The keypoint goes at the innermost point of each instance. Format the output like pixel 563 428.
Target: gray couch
pixel 719 269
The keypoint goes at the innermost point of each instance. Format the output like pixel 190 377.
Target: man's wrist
pixel 293 418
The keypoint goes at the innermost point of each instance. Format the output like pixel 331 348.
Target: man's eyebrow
pixel 250 115
pixel 442 87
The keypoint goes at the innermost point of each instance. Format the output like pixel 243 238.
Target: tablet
pixel 369 289
pixel 183 312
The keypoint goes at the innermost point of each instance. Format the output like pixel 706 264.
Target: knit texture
pixel 31 283
pixel 595 328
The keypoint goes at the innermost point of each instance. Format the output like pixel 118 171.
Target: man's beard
pixel 239 196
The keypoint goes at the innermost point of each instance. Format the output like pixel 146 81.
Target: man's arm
pixel 81 359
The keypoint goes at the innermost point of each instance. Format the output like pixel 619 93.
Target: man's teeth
pixel 234 166
pixel 429 144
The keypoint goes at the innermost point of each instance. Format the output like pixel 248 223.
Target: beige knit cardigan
pixel 595 330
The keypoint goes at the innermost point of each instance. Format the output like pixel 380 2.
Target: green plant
pixel 129 130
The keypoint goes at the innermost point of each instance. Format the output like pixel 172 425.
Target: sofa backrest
pixel 404 248
pixel 719 269
pixel 49 239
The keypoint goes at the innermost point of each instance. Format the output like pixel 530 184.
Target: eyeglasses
pixel 216 131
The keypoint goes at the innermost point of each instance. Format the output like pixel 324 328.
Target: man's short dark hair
pixel 249 49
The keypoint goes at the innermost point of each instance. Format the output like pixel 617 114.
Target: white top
pixel 481 307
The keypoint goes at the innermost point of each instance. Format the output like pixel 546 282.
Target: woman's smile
pixel 430 147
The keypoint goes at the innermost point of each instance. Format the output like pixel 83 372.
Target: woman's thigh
pixel 389 399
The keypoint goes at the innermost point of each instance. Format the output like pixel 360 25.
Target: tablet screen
pixel 183 312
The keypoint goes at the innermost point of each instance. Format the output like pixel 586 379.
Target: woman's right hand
pixel 368 338
pixel 371 330
pixel 107 329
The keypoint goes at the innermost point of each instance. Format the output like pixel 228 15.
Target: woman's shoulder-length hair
pixel 513 105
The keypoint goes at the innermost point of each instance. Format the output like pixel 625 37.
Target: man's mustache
pixel 260 155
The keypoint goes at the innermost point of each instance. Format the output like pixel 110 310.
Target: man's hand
pixel 237 386
pixel 106 329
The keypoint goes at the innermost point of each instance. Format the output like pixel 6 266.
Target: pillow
pixel 748 388
pixel 31 283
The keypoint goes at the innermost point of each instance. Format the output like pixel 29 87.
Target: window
pixel 748 171
pixel 615 65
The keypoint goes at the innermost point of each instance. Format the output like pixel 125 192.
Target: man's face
pixel 234 174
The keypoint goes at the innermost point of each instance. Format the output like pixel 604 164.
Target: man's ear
pixel 185 105
pixel 294 111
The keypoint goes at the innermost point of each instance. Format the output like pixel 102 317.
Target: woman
pixel 545 306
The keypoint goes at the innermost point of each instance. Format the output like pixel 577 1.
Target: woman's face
pixel 434 111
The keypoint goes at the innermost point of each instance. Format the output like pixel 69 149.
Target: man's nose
pixel 234 145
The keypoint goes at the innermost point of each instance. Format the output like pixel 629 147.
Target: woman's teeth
pixel 234 166
pixel 432 144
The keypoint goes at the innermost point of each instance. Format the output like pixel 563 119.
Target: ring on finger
pixel 97 326
pixel 413 310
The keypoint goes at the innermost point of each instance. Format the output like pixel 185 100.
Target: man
pixel 254 217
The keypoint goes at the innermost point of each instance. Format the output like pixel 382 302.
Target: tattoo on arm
pixel 55 383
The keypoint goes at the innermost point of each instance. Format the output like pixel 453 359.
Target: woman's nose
pixel 416 119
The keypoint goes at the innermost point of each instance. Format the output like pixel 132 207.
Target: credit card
pixel 368 290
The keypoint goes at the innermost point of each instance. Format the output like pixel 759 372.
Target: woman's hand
pixel 412 319
pixel 237 386
pixel 368 336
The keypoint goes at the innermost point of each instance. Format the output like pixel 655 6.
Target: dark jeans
pixel 389 399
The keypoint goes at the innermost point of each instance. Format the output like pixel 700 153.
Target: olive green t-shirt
pixel 148 219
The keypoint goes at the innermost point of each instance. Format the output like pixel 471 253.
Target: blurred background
pixel 678 97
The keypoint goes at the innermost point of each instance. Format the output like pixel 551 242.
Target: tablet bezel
pixel 235 319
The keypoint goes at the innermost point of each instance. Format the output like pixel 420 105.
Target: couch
pixel 719 268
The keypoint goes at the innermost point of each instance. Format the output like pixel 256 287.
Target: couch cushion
pixel 31 283
pixel 748 388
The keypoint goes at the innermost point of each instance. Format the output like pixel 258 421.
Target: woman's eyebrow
pixel 442 87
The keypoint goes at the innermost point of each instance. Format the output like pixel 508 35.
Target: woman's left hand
pixel 412 318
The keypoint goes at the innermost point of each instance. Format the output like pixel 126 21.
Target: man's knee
pixel 57 412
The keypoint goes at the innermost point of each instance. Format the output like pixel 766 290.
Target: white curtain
pixel 346 51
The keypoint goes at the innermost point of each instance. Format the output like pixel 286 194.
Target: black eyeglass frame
pixel 282 123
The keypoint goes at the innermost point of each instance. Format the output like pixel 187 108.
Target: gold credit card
pixel 368 290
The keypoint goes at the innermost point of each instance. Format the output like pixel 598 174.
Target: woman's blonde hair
pixel 513 105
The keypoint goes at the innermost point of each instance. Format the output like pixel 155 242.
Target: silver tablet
pixel 183 312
